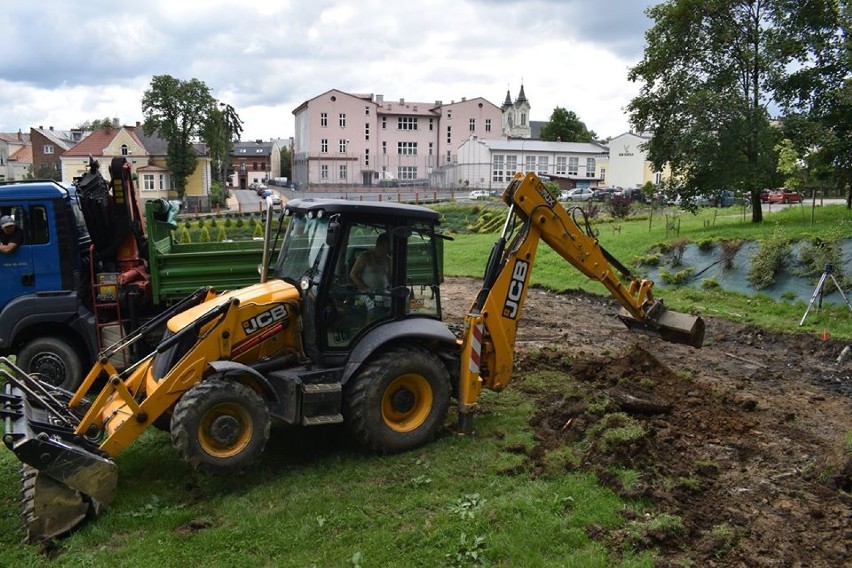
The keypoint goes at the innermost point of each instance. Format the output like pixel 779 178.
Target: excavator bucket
pixel 64 478
pixel 669 325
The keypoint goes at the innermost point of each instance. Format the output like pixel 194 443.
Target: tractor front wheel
pixel 220 426
pixel 398 401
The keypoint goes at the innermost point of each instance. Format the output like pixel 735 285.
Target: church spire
pixel 508 102
pixel 522 97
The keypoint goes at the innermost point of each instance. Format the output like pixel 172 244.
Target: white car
pixel 479 194
pixel 576 194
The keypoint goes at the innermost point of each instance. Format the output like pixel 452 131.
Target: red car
pixel 781 196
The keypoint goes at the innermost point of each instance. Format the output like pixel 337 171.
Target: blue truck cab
pixel 42 278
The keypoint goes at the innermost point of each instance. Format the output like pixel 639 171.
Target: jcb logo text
pixel 512 305
pixel 265 319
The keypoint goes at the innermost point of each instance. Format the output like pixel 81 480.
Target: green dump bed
pixel 179 269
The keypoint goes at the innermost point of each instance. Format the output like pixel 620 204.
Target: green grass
pixel 313 500
pixel 635 238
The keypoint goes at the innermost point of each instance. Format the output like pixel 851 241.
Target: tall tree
pixel 566 126
pixel 96 124
pixel 818 92
pixel 177 110
pixel 222 128
pixel 710 70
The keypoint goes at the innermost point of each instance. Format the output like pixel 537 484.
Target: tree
pixel 176 110
pixel 564 125
pixel 286 163
pixel 709 72
pixel 222 128
pixel 818 92
pixel 97 124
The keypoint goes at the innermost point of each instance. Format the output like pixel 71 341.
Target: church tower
pixel 516 116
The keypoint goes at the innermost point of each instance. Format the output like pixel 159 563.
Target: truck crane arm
pixel 491 325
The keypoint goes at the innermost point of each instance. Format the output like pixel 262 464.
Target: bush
pixel 619 206
pixel 205 235
pixel 769 260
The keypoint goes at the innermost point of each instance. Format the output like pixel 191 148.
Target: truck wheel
pixel 54 360
pixel 398 400
pixel 219 426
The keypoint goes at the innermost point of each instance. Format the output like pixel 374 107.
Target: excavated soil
pixel 742 458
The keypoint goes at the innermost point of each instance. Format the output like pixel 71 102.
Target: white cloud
pixel 569 53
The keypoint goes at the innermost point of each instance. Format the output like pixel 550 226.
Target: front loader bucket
pixel 64 477
pixel 668 325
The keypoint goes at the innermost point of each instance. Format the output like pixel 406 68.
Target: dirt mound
pixel 734 455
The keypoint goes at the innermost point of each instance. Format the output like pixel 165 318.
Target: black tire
pixel 220 426
pixel 54 360
pixel 397 401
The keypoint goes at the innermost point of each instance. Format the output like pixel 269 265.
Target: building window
pixel 449 135
pixel 497 168
pixel 407 172
pixel 367 157
pixel 406 148
pixel 523 119
pixel 48 148
pixel 242 150
pixel 323 119
pixel 366 131
pixel 341 120
pixel 342 172
pixel 324 145
pixel 148 182
pixel 542 165
pixel 487 125
pixel 449 157
pixel 511 165
pixel 323 172
pixel 124 150
pixel 573 166
pixel 449 114
pixel 384 147
pixel 529 164
pixel 658 176
pixel 430 148
pixel 406 123
pixel 473 125
pixel 366 111
pixel 431 124
pixel 384 122
pixel 561 165
pixel 341 145
pixel 603 174
pixel 590 167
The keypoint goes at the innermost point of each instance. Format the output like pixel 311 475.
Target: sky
pixel 66 63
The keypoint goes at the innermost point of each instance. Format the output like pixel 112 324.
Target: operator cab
pixel 323 243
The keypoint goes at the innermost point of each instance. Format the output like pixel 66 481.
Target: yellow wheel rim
pixel 406 402
pixel 225 430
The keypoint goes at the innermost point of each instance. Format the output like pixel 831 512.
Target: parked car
pixel 725 198
pixel 782 196
pixel 602 193
pixel 479 194
pixel 276 199
pixel 576 194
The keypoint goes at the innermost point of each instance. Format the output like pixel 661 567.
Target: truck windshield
pixel 303 252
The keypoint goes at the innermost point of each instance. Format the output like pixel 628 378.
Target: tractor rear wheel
pixel 398 401
pixel 220 426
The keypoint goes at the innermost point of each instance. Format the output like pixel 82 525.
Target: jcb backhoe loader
pixel 308 347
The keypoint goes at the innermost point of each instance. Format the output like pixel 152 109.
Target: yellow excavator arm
pixel 491 324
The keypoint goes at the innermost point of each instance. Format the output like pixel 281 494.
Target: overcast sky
pixel 68 62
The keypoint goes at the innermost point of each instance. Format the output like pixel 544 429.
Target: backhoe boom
pixel 492 322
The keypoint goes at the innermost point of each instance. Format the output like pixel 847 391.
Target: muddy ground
pixel 741 453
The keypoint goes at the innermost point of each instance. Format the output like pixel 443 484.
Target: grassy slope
pixel 628 240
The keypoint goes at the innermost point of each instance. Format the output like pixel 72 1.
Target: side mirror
pixel 332 234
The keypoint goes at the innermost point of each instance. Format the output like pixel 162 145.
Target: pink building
pixel 361 140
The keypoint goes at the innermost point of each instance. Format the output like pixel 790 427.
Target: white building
pixel 628 162
pixel 491 164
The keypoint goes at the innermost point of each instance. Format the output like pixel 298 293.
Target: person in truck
pixel 11 236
